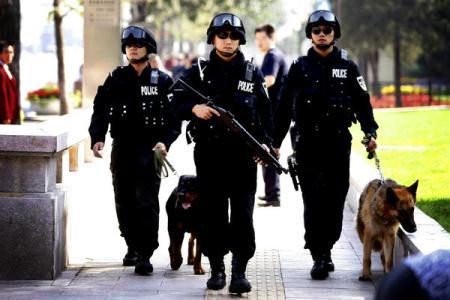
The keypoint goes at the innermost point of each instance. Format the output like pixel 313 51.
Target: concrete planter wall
pixel 34 160
pixel 45 106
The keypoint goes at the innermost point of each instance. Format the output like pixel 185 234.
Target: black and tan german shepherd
pixel 183 216
pixel 382 208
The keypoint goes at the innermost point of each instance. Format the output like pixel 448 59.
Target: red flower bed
pixel 50 91
pixel 407 101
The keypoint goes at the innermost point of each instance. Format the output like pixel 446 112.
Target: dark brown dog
pixel 182 214
pixel 382 208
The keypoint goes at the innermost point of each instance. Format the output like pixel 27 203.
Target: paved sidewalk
pixel 279 270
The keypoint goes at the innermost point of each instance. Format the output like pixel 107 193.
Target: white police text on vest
pixel 149 90
pixel 246 86
pixel 339 73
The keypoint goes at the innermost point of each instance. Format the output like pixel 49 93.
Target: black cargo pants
pixel 136 188
pixel 323 168
pixel 227 179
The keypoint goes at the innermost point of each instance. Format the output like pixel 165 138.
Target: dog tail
pixel 359 223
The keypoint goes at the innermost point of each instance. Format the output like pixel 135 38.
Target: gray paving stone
pixel 279 270
pixel 328 293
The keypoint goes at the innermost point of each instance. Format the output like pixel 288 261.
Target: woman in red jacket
pixel 9 95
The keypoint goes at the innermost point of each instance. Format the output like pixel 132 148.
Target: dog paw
pixel 365 278
pixel 175 262
pixel 199 271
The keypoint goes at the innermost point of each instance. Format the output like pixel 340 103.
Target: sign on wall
pixel 101 12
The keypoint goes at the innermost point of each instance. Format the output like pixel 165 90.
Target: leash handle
pixel 161 165
pixel 171 167
pixel 373 154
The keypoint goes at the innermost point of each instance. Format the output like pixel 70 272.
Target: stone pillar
pixel 102 51
pixel 33 211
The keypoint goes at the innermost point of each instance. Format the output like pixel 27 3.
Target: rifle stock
pixel 228 119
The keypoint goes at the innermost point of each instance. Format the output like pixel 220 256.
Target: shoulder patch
pixel 361 83
pixel 200 68
pixel 265 89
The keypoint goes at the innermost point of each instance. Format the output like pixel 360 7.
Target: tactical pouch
pixel 247 110
pixel 340 111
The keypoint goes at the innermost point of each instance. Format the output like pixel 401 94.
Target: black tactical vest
pixel 142 107
pixel 239 98
pixel 323 99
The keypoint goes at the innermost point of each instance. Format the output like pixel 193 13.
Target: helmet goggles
pixel 326 16
pixel 133 32
pixel 226 19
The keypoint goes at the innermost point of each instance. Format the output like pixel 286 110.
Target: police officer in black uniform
pixel 226 168
pixel 324 94
pixel 135 101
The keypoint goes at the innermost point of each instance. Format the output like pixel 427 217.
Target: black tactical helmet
pixel 137 34
pixel 323 17
pixel 226 21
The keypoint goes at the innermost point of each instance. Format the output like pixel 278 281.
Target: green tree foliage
pixel 434 37
pixel 423 27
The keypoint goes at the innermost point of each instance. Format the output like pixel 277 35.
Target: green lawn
pixel 417 146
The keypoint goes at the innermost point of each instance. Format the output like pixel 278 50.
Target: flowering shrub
pixel 404 89
pixel 49 91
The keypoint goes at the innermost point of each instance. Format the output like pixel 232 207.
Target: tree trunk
pixel 10 30
pixel 362 62
pixel 397 67
pixel 64 108
pixel 337 9
pixel 162 45
pixel 139 11
pixel 373 58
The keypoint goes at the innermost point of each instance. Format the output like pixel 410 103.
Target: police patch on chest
pixel 149 90
pixel 339 73
pixel 245 86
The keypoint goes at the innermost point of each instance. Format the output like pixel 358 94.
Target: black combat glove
pixel 366 140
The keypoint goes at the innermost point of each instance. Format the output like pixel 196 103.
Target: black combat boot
pixel 329 262
pixel 320 269
pixel 143 266
pixel 218 277
pixel 131 258
pixel 239 284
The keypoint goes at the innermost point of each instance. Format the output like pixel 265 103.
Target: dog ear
pixel 413 189
pixel 182 178
pixel 391 197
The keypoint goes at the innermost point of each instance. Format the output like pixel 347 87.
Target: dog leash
pixel 377 163
pixel 373 154
pixel 161 165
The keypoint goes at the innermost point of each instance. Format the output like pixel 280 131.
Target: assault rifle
pixel 228 119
